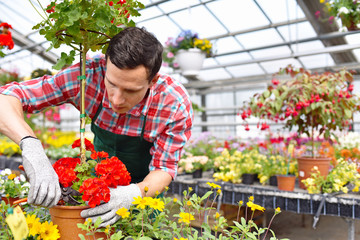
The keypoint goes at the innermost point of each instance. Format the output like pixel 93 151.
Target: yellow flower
pixel 185 217
pixel 241 203
pixel 218 191
pixel 190 189
pixel 140 202
pixel 213 185
pixel 254 206
pixel 180 238
pixel 123 212
pixel 157 204
pixel 11 176
pixel 188 203
pixel 217 215
pixel 322 1
pixel 175 200
pixel 33 224
pixel 277 210
pixel 49 231
pixel 251 198
pixel 146 189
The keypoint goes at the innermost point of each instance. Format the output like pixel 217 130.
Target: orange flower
pixel 345 153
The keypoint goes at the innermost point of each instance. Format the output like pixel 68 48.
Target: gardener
pixel 139 115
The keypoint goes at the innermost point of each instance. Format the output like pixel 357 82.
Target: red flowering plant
pixel 307 102
pixel 6 40
pixel 90 181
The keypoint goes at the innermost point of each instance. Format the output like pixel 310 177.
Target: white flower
pixel 344 10
pixel 26 185
pixel 6 171
pixel 2 181
pixel 22 178
pixel 16 180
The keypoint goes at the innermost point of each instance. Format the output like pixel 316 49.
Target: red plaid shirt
pixel 167 107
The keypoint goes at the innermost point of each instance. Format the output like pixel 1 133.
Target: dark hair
pixel 133 47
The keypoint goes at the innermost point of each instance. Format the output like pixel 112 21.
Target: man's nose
pixel 118 98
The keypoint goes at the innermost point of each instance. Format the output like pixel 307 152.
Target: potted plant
pixel 309 103
pixel 85 184
pixel 286 181
pixel 195 164
pixel 345 10
pixel 186 51
pixel 344 177
pixel 12 187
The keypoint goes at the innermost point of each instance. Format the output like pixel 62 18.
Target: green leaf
pixel 348 113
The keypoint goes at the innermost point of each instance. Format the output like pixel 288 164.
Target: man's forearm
pixel 155 181
pixel 12 123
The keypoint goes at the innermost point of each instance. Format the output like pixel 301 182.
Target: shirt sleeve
pixel 169 144
pixel 46 91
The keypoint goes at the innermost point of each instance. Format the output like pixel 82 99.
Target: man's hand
pixel 44 182
pixel 120 197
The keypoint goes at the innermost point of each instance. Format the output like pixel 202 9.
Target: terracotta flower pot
pixel 286 182
pixel 67 218
pixel 9 200
pixel 306 164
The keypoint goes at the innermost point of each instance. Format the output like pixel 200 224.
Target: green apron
pixel 134 152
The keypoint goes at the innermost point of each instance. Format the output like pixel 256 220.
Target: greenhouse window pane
pixel 214 74
pixel 148 13
pixel 168 28
pixel 245 70
pixel 307 46
pixel 297 31
pixel 225 45
pixel 271 52
pixel 274 66
pixel 238 15
pixel 281 10
pixel 206 26
pixel 317 61
pixel 259 38
pixel 174 5
pixel 228 59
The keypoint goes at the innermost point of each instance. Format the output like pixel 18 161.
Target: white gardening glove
pixel 120 197
pixel 44 182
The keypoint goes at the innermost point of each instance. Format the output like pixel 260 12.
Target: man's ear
pixel 154 80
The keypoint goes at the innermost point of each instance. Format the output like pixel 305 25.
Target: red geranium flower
pixel 88 145
pixel 5 25
pixel 95 190
pixel 96 155
pixel 113 172
pixel 64 168
pixel 6 40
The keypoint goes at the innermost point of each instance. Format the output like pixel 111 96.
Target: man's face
pixel 126 88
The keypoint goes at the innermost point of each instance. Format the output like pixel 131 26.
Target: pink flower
pixel 170 55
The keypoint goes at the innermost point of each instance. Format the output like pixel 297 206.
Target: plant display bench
pixel 298 201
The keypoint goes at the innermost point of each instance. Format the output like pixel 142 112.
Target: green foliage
pixel 84 25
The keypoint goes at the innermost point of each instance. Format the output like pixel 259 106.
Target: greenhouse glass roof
pixel 252 38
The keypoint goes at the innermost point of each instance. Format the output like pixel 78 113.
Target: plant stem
pixel 82 106
pixel 267 230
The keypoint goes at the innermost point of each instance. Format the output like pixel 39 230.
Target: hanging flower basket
pixel 190 61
